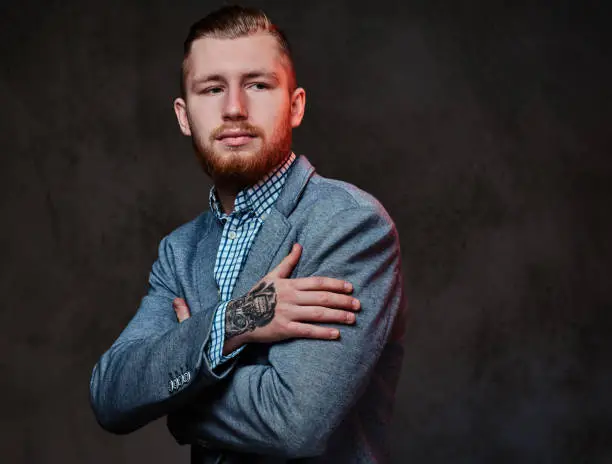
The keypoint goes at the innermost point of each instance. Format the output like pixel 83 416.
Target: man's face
pixel 238 107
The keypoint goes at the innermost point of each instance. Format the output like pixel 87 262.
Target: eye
pixel 259 86
pixel 212 90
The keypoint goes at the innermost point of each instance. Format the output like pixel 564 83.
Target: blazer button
pixel 174 385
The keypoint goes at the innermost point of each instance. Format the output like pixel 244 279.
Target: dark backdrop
pixel 484 129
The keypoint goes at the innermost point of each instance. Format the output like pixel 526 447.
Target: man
pixel 238 340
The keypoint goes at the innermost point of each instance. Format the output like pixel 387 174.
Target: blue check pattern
pixel 251 207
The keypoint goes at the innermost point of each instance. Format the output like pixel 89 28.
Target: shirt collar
pixel 259 197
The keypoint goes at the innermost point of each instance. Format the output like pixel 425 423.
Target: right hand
pixel 278 308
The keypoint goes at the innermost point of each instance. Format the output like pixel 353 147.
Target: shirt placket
pixel 231 237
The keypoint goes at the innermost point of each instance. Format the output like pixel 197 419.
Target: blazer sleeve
pixel 291 406
pixel 156 365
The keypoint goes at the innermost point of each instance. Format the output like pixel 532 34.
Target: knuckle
pixel 279 288
pixel 305 331
pixel 318 314
pixel 283 310
pixel 291 326
pixel 283 290
pixel 288 285
pixel 283 298
pixel 286 330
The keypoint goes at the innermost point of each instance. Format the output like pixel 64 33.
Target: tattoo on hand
pixel 255 309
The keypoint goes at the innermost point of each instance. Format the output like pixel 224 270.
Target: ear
pixel 180 109
pixel 298 104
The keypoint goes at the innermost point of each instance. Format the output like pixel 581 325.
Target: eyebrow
pixel 249 75
pixel 257 74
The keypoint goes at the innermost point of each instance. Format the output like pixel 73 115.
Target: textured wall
pixel 485 130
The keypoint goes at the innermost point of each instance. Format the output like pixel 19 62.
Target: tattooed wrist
pixel 255 309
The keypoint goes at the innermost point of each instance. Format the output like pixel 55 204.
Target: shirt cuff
pixel 214 347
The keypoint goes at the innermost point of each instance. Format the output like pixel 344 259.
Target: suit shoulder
pixel 332 196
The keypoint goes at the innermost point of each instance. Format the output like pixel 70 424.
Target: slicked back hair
pixel 232 22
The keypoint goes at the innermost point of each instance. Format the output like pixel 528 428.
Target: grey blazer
pixel 325 401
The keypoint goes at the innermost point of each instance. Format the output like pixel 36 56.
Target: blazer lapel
pixel 204 264
pixel 271 237
pixel 267 243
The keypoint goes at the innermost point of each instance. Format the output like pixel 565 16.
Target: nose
pixel 235 107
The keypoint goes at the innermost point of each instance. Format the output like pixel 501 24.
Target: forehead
pixel 234 56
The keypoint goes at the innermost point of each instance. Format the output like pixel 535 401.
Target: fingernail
pixel 356 304
pixel 348 287
pixel 334 334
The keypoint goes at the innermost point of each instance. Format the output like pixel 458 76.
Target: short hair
pixel 231 22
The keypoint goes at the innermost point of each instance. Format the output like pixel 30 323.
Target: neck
pixel 227 193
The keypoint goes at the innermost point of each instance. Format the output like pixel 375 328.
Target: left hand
pixel 181 309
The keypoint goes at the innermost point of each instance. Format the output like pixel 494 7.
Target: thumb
pixel 284 268
pixel 181 309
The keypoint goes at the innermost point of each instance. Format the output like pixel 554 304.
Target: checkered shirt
pixel 251 208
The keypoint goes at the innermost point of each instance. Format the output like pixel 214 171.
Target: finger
pixel 321 314
pixel 182 313
pixel 300 330
pixel 285 267
pixel 328 300
pixel 323 283
pixel 181 309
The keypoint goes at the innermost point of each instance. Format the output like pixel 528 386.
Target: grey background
pixel 484 129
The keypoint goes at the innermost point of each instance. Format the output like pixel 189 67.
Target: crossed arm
pixel 261 408
pixel 124 387
pixel 290 406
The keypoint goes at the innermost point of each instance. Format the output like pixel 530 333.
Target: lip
pixel 236 141
pixel 235 138
pixel 234 133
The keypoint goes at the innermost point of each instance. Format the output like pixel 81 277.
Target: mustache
pixel 242 126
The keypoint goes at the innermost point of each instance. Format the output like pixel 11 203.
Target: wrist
pixel 232 344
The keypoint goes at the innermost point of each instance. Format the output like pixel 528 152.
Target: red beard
pixel 243 165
